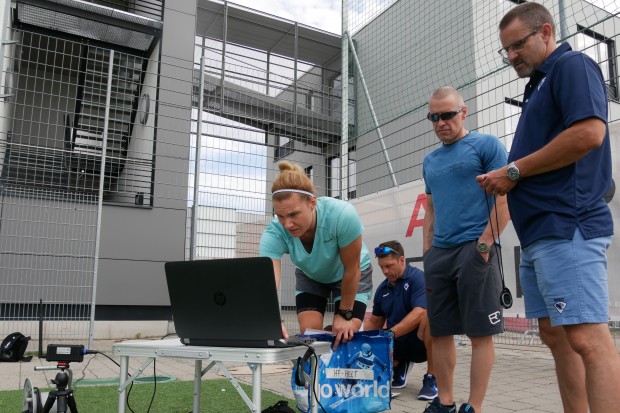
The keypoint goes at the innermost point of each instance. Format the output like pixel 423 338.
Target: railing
pixel 148 8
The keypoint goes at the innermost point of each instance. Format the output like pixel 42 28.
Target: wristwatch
pixel 346 314
pixel 513 172
pixel 482 247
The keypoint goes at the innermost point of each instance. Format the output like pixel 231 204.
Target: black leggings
pixel 313 302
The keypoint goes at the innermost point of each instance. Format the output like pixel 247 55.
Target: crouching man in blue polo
pixel 400 306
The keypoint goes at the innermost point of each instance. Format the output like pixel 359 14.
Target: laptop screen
pixel 225 302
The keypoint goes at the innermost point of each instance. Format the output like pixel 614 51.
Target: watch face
pixel 346 314
pixel 513 173
pixel 482 247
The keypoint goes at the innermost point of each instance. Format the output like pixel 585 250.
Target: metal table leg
pixel 257 371
pixel 122 395
pixel 197 383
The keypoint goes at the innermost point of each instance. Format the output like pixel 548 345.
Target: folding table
pixel 216 356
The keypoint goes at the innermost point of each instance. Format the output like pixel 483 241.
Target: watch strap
pixel 345 313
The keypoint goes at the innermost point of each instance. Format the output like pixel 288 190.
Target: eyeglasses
pixel 434 117
pixel 516 46
pixel 385 251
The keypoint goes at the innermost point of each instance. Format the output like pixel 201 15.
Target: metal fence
pixel 92 134
pixel 68 118
pixel 397 53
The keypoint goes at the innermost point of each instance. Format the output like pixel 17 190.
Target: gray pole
pixel 562 23
pixel 104 150
pixel 344 126
pixel 372 111
pixel 224 40
pixel 194 234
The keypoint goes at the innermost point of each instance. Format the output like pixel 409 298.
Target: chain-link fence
pixel 399 52
pixel 180 182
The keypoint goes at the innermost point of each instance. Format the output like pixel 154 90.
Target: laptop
pixel 225 302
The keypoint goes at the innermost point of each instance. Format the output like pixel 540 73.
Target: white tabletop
pixel 174 348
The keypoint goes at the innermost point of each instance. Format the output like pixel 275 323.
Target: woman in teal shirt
pixel 323 237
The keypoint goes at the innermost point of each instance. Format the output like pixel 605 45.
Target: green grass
pixel 217 396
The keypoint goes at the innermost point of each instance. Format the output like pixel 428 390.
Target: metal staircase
pixel 85 142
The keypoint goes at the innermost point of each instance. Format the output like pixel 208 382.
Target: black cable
pixel 154 379
pixel 154 385
pixel 316 361
pixel 95 352
pixel 131 385
pixel 127 398
pixel 499 243
pixel 505 302
pixel 154 389
pixel 83 371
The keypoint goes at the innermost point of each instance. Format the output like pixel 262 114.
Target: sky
pixel 326 14
pixel 322 14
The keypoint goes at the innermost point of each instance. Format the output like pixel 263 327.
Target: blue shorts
pixel 566 280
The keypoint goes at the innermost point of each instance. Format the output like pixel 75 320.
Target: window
pixel 512 113
pixel 310 173
pixel 602 50
pixel 311 100
pixel 286 146
pixel 335 91
pixel 352 174
pixel 334 176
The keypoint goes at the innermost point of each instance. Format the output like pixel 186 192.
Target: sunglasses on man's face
pixel 385 251
pixel 434 117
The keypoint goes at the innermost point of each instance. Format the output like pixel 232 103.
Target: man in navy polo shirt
pixel 400 306
pixel 559 170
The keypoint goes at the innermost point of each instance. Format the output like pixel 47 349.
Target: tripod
pixel 62 396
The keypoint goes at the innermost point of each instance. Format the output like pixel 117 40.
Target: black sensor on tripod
pixel 65 353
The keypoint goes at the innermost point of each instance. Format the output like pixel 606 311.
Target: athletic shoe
pixel 436 407
pixel 429 388
pixel 399 379
pixel 466 408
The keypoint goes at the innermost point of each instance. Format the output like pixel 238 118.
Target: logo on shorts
pixel 495 317
pixel 560 304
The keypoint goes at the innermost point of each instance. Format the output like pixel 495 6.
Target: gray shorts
pixel 304 284
pixel 462 291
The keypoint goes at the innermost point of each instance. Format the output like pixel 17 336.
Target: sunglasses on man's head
pixel 434 117
pixel 385 251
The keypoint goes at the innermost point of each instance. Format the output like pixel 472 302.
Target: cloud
pixel 322 14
